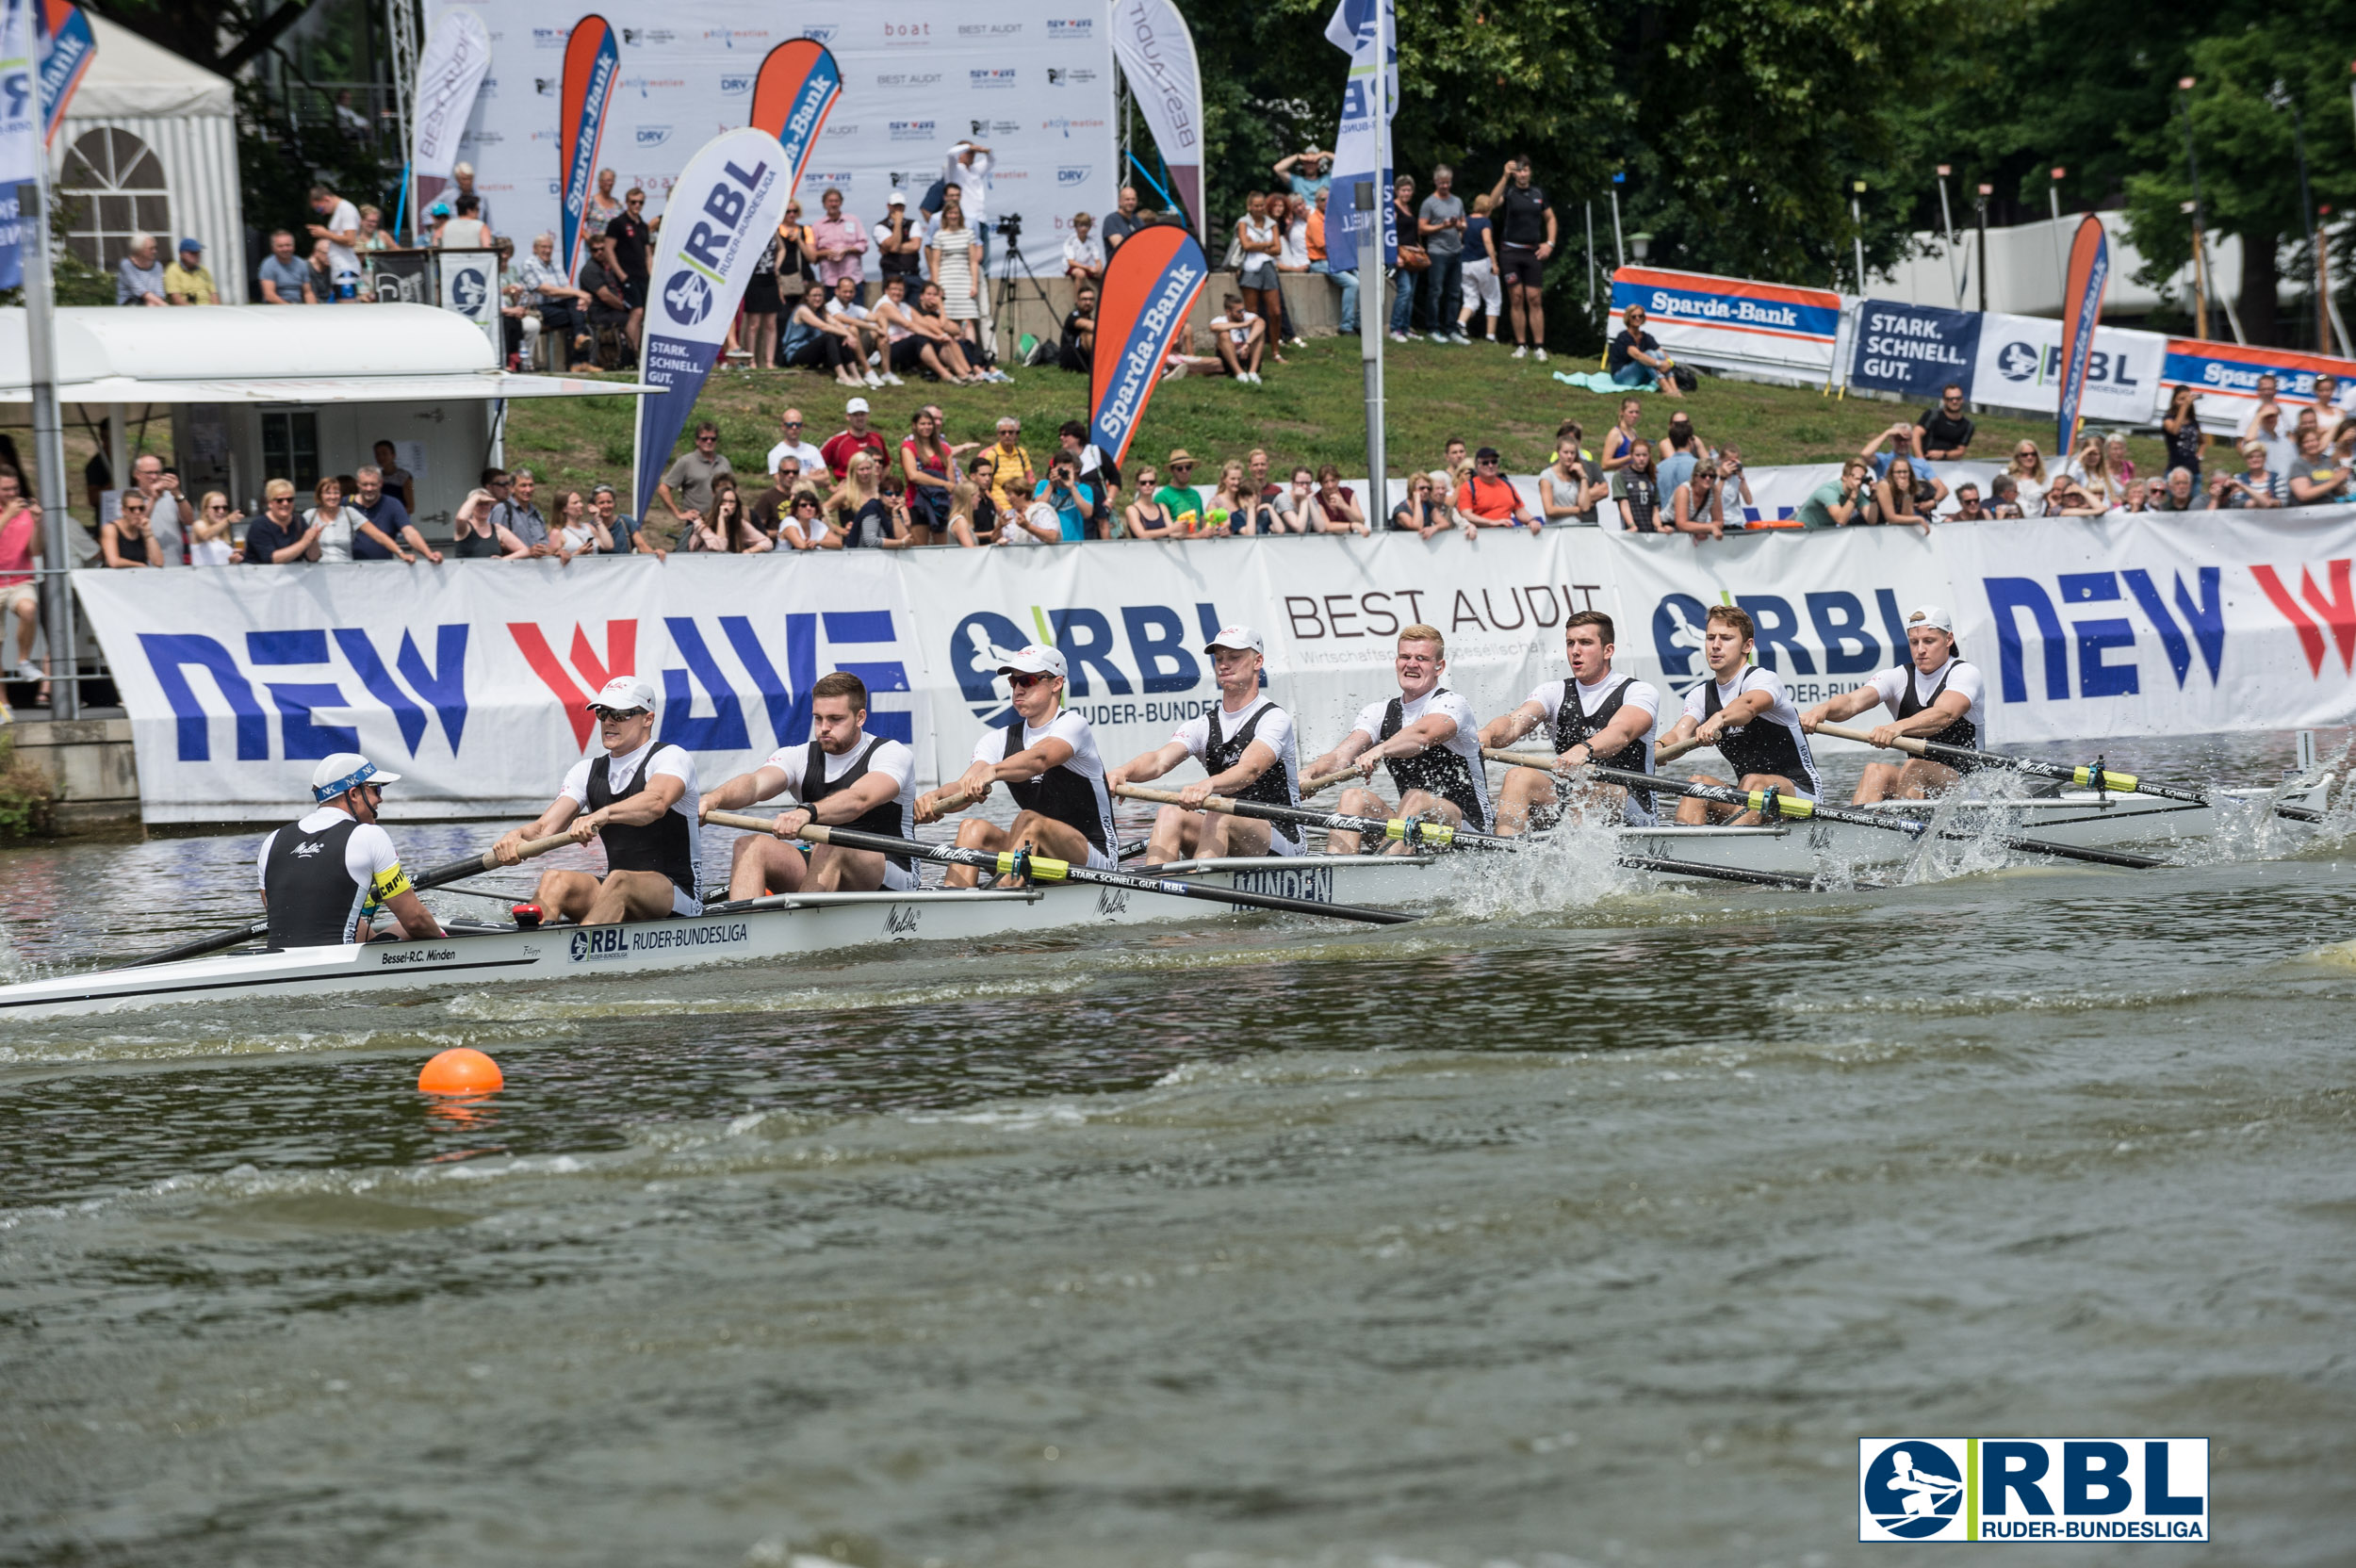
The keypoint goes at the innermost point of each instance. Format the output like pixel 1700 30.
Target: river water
pixel 1593 1230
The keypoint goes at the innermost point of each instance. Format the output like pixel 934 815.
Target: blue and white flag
pixel 1367 31
pixel 20 132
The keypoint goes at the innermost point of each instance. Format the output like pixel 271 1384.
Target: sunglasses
pixel 1182 468
pixel 791 424
pixel 612 715
pixel 1019 683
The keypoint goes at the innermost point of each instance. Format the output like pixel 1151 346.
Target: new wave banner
pixel 451 68
pixel 1368 32
pixel 1156 54
pixel 1913 351
pixel 2226 376
pixel 795 88
pixel 1732 322
pixel 64 46
pixel 1148 292
pixel 723 212
pixel 592 66
pixel 2019 366
pixel 2088 274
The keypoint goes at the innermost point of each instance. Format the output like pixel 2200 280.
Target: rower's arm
pixel 1030 762
pixel 1628 726
pixel 1742 710
pixel 1430 730
pixel 743 790
pixel 1681 730
pixel 1341 756
pixel 417 923
pixel 1848 704
pixel 662 793
pixel 1256 760
pixel 1150 764
pixel 1949 706
pixel 1506 728
pixel 508 851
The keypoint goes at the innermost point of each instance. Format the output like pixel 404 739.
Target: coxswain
pixel 1426 737
pixel 324 878
pixel 1594 715
pixel 1741 709
pixel 640 800
pixel 1047 759
pixel 843 778
pixel 1246 747
pixel 1936 696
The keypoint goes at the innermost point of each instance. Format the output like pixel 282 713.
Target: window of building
pixel 113 188
pixel 290 448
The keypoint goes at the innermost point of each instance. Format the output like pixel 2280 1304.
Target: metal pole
pixel 1947 228
pixel 2200 229
pixel 2061 271
pixel 40 332
pixel 1591 257
pixel 1985 191
pixel 2307 216
pixel 1857 232
pixel 1371 312
pixel 1619 246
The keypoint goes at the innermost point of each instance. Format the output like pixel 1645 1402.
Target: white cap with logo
pixel 1034 659
pixel 857 406
pixel 1240 638
pixel 1931 616
pixel 625 694
pixel 346 770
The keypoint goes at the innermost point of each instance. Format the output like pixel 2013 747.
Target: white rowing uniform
pixel 1906 691
pixel 1217 739
pixel 894 818
pixel 1452 770
pixel 1577 711
pixel 1771 742
pixel 670 844
pixel 1073 792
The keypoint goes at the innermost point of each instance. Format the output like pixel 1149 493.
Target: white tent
pixel 150 142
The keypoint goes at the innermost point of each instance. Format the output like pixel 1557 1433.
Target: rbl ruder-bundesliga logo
pixel 2033 1489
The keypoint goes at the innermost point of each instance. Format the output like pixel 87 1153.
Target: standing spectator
pixel 2180 428
pixel 628 260
pixel 472 536
pixel 1322 261
pixel 1442 223
pixel 1122 221
pixel 1944 431
pixel 1740 502
pixel 337 527
pixel 2027 471
pixel 1149 517
pixel 1634 358
pixel 520 518
pixel 1481 289
pixel 168 512
pixel 2003 497
pixel 686 486
pixel 798 263
pixel 2091 471
pixel 1525 237
pixel 1292 257
pixel 1968 507
pixel 855 437
pixel 339 225
pixel 1083 257
pixel 968 172
pixel 463 176
pixel 807 459
pixel 1836 502
pixel 609 305
pixel 1079 350
pixel 398 480
pixel 604 206
pixel 1403 275
pixel 955 256
pixel 900 243
pixel 1098 477
pixel 1313 230
pixel 1306 173
pixel 1901 439
pixel 1678 453
pixel 2114 458
pixel 2319 479
pixel 1256 238
pixel 1241 338
pixel 578 529
pixel 2265 429
pixel 464 232
pixel 372 235
pixel 839 246
pixel 188 281
pixel 128 539
pixel 138 276
pixel 2268 389
pixel 1489 498
pixel 868 336
pixel 930 472
pixel 1179 499
pixel 323 273
pixel 763 304
pixel 1904 496
pixel 276 538
pixel 1012 476
pixel 385 514
pixel 1621 439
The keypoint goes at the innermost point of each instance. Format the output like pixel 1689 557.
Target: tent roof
pixel 129 76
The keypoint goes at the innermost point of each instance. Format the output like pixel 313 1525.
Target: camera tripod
pixel 1018 265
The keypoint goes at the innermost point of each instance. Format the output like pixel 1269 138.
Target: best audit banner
pixel 468 679
pixel 1031 80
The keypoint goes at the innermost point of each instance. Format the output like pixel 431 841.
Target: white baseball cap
pixel 1035 660
pixel 897 199
pixel 1240 638
pixel 625 694
pixel 1932 615
pixel 857 406
pixel 346 770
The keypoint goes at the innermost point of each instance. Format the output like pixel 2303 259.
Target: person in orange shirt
pixel 1489 498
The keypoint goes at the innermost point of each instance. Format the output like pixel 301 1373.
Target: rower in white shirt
pixel 1936 696
pixel 1593 715
pixel 1246 747
pixel 1741 709
pixel 1048 760
pixel 843 778
pixel 1426 737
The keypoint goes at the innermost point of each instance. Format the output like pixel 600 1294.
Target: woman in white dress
pixel 952 257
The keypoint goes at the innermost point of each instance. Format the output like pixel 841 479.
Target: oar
pixel 1442 835
pixel 2098 777
pixel 1774 802
pixel 1045 869
pixel 260 929
pixel 1327 780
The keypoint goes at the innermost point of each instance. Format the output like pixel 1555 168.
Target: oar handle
pixel 956 800
pixel 750 823
pixel 1518 759
pixel 1676 750
pixel 1326 781
pixel 485 861
pixel 1911 744
pixel 1169 797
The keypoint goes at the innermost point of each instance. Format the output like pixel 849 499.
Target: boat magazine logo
pixel 2066 1489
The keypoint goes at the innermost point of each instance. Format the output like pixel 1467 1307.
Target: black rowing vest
pixel 665 844
pixel 1434 770
pixel 1574 728
pixel 887 819
pixel 1761 746
pixel 314 901
pixel 1272 788
pixel 1062 793
pixel 1963 732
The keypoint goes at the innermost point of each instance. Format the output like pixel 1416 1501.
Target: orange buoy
pixel 460 1071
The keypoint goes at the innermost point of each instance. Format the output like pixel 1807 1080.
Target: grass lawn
pixel 1311 410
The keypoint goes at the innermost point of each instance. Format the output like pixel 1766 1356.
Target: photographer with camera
pixel 1306 186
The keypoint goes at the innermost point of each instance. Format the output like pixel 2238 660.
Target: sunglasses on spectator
pixel 791 424
pixel 610 715
pixel 1021 682
pixel 1182 468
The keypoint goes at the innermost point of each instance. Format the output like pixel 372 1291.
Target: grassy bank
pixel 1311 410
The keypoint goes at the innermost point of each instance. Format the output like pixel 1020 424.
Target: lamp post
pixel 2200 237
pixel 1985 191
pixel 2061 272
pixel 1619 247
pixel 2280 97
pixel 1857 230
pixel 1947 232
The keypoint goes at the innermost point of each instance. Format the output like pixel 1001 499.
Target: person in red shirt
pixel 1489 498
pixel 846 444
pixel 20 555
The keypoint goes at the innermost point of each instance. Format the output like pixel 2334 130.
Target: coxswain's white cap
pixel 1240 638
pixel 1035 660
pixel 1931 614
pixel 857 406
pixel 625 694
pixel 346 770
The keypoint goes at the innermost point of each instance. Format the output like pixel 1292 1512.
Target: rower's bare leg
pixel 974 833
pixel 1355 802
pixel 1922 777
pixel 836 870
pixel 1057 841
pixel 1176 831
pixel 763 864
pixel 1694 813
pixel 1241 835
pixel 629 895
pixel 564 895
pixel 1525 789
pixel 1699 813
pixel 1879 782
pixel 1422 803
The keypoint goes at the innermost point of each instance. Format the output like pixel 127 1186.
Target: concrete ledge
pixel 89 763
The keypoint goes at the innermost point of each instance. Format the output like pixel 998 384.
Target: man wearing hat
pixel 1179 499
pixel 188 281
pixel 900 243
pixel 323 876
pixel 1489 498
pixel 1936 696
pixel 640 800
pixel 847 443
pixel 1246 747
pixel 1048 760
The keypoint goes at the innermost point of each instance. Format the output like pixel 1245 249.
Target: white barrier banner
pixel 2019 366
pixel 468 679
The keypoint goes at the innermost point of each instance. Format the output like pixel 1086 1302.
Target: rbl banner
pixel 64 46
pixel 593 67
pixel 794 91
pixel 1149 289
pixel 2082 312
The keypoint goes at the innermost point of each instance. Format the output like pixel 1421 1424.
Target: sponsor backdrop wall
pixel 1031 79
pixel 469 679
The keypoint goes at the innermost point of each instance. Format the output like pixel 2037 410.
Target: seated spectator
pixel 556 307
pixel 2063 499
pixel 1338 504
pixel 188 281
pixel 1968 507
pixel 1098 477
pixel 868 336
pixel 953 355
pixel 128 538
pixel 1639 493
pixel 1488 500
pixel 774 505
pixel 1179 497
pixel 1083 256
pixel 1149 517
pixel 1944 431
pixel 372 235
pixel 974 520
pixel 2179 493
pixel 1567 495
pixel 807 459
pixel 864 513
pixel 814 338
pixel 1078 351
pixel 387 519
pixel 1421 512
pixel 322 271
pixel 1634 357
pixel 1837 503
pixel 1122 221
pixel 1242 339
pixel 803 525
pixel 1903 495
pixel 623 528
pixel 1013 478
pixel 915 340
pixel 2261 422
pixel 1901 439
pixel 140 276
pixel 2320 478
pixel 276 538
pixel 928 471
pixel 1251 506
pixel 2256 488
pixel 2281 451
pixel 576 530
pixel 210 539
